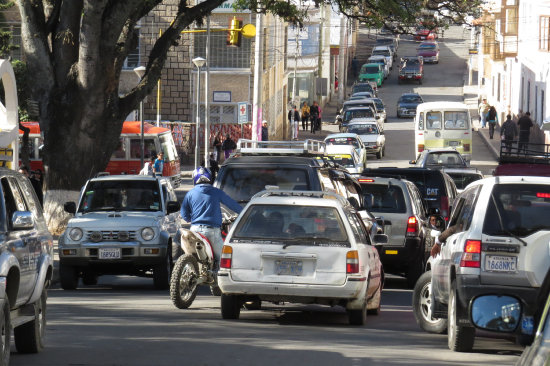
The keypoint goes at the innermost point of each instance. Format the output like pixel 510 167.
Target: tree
pixel 75 51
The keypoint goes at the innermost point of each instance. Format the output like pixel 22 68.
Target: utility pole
pixel 342 77
pixel 296 34
pixel 206 93
pixel 258 70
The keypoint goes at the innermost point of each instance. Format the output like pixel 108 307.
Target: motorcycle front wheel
pixel 183 283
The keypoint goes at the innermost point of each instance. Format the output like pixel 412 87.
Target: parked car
pixel 385 51
pixel 349 139
pixel 26 263
pixel 362 87
pixel 411 69
pixel 383 62
pixel 372 72
pixel 501 229
pixel 429 52
pixel 440 158
pixel 399 203
pixel 122 224
pixel 356 112
pixel 423 34
pixel 407 103
pixel 381 114
pixel 437 189
pixel 288 247
pixel 372 136
pixel 463 177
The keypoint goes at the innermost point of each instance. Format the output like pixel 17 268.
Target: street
pixel 124 321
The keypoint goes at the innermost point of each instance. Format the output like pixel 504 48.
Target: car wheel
pixel 5 329
pixel 460 338
pixel 422 306
pixel 420 81
pixel 231 306
pixel 29 337
pixel 183 283
pixel 161 274
pixel 358 316
pixel 379 154
pixel 89 278
pixel 68 277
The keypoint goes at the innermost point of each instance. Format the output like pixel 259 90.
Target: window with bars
pixel 219 113
pixel 221 55
pixel 544 35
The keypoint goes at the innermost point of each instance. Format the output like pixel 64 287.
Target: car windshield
pixel 519 209
pixel 121 195
pixel 411 61
pixel 342 141
pixel 444 159
pixel 345 160
pixel 362 88
pixel 363 129
pixel 358 113
pixel 241 183
pixel 410 99
pixel 370 70
pixel 462 179
pixel 383 198
pixel 311 225
pixel 385 52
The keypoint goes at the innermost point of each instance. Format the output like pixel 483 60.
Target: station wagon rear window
pixel 300 225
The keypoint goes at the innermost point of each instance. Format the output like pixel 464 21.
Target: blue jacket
pixel 201 205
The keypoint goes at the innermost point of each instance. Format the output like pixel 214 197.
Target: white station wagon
pixel 301 247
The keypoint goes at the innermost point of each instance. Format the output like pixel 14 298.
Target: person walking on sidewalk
pixel 228 146
pixel 218 146
pixel 293 118
pixel 508 133
pixel 265 131
pixel 525 123
pixel 483 109
pixel 492 120
pixel 305 116
pixel 314 113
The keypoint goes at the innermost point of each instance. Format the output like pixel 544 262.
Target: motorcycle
pixel 196 266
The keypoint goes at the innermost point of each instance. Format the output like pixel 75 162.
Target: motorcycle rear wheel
pixel 183 283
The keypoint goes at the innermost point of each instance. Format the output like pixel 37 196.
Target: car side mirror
pixel 496 313
pixel 172 206
pixel 22 220
pixel 70 207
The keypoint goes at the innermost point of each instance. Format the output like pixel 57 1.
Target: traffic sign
pixel 243 112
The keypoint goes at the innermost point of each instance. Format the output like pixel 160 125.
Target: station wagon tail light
pixel 466 147
pixel 472 254
pixel 227 254
pixel 412 226
pixel 420 147
pixel 352 262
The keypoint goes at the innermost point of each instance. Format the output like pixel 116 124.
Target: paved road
pixel 124 321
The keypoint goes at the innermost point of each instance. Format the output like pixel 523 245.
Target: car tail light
pixel 466 147
pixel 352 262
pixel 412 226
pixel 445 207
pixel 420 147
pixel 366 180
pixel 227 254
pixel 472 254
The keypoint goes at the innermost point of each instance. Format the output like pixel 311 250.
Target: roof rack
pixel 304 148
pixel 314 194
pixel 528 153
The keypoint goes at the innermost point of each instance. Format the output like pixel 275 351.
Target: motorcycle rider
pixel 201 207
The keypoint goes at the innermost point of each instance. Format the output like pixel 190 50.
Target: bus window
pixel 421 121
pixel 168 147
pixel 120 152
pixel 135 148
pixel 456 120
pixel 433 120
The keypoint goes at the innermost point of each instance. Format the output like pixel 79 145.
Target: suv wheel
pixel 161 274
pixel 29 337
pixel 460 338
pixel 68 277
pixel 5 329
pixel 231 306
pixel 422 306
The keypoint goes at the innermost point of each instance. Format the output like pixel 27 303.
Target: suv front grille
pixel 107 235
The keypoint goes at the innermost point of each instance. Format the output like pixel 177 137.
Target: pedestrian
pixel 354 66
pixel 228 146
pixel 293 118
pixel 319 118
pixel 35 183
pixel 214 166
pixel 218 146
pixel 265 131
pixel 158 166
pixel 201 207
pixel 525 123
pixel 492 120
pixel 148 167
pixel 39 176
pixel 508 133
pixel 483 109
pixel 314 114
pixel 336 83
pixel 305 116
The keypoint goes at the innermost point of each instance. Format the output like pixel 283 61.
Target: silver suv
pixel 500 247
pixel 399 203
pixel 123 224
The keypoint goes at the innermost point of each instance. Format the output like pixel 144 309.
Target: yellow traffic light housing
pixel 234 34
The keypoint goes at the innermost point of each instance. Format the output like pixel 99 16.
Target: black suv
pixel 437 188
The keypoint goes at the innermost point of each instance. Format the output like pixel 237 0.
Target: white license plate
pixel 292 268
pixel 499 263
pixel 409 76
pixel 109 253
pixel 453 143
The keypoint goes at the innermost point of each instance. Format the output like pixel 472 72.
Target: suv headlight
pixel 76 234
pixel 147 233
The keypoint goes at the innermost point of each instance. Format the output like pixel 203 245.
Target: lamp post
pixel 140 71
pixel 199 62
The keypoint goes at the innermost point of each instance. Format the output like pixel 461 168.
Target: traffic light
pixel 234 34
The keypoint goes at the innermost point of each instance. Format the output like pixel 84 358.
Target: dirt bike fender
pixel 189 240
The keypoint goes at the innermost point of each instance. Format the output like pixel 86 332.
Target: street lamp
pixel 140 71
pixel 199 62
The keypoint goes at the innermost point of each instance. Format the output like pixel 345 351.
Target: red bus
pixel 126 159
